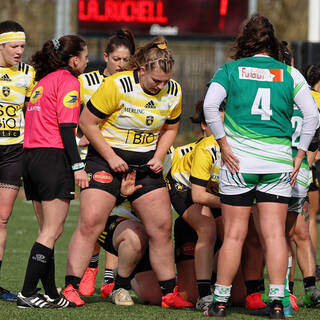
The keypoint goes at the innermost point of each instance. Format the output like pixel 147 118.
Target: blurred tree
pixel 289 17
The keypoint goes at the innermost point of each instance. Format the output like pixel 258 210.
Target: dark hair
pixel 199 116
pixel 154 53
pixel 312 74
pixel 285 54
pixel 256 36
pixel 124 37
pixel 9 25
pixel 55 54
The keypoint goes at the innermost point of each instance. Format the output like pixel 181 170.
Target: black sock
pixel 39 259
pixel 108 276
pixel 252 286
pixel 94 262
pixel 261 285
pixel 121 282
pixel 167 286
pixel 48 280
pixel 213 278
pixel 204 288
pixel 74 281
pixel 291 284
pixel 309 282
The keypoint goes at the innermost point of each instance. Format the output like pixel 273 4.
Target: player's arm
pixel 89 120
pixel 201 196
pixel 167 136
pixel 214 97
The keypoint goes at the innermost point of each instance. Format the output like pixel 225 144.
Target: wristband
pixel 77 166
pixel 122 195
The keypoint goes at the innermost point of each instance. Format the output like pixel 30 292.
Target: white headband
pixel 12 36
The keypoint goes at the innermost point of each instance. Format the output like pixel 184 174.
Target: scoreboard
pixel 218 18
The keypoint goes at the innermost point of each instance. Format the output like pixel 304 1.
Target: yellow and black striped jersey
pixel 198 166
pixel 125 210
pixel 316 97
pixel 132 118
pixel 89 84
pixel 16 84
pixel 177 152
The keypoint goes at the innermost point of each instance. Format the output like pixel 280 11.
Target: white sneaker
pixel 204 303
pixel 121 297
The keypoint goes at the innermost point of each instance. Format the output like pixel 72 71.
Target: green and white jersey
pixel 260 97
pixel 304 177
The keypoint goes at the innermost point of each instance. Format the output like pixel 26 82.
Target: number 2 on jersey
pixel 297 126
pixel 261 104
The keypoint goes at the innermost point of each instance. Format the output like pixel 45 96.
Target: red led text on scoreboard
pixel 166 17
pixel 127 11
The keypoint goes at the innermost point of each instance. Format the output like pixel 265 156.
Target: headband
pixel 161 46
pixel 56 44
pixel 12 36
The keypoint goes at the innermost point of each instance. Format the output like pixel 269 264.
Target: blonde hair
pixel 153 54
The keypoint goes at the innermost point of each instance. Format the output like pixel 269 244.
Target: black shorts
pixel 47 174
pixel 314 186
pixel 105 238
pixel 105 241
pixel 180 195
pixel 103 178
pixel 247 199
pixel 181 198
pixel 11 164
pixel 185 239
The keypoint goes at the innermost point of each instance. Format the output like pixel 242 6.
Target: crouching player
pixel 193 185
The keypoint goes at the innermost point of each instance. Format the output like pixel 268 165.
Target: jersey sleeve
pixel 201 166
pixel 221 77
pixel 81 89
pixel 68 101
pixel 316 97
pixel 307 105
pixel 32 83
pixel 299 82
pixel 175 110
pixel 106 99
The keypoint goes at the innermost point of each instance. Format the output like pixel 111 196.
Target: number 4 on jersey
pixel 261 104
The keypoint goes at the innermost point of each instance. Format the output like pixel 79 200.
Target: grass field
pixel 22 232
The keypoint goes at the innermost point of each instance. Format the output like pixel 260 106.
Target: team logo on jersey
pixel 71 99
pixel 36 95
pixel 150 105
pixel 5 77
pixel 149 120
pixel 258 74
pixel 5 91
pixel 102 177
pixel 180 187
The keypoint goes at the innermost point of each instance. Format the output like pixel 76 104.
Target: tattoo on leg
pixel 8 186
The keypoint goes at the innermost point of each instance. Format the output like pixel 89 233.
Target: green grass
pixel 22 232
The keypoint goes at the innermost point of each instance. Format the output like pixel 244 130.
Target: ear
pixel 142 70
pixel 73 62
pixel 203 126
pixel 105 57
